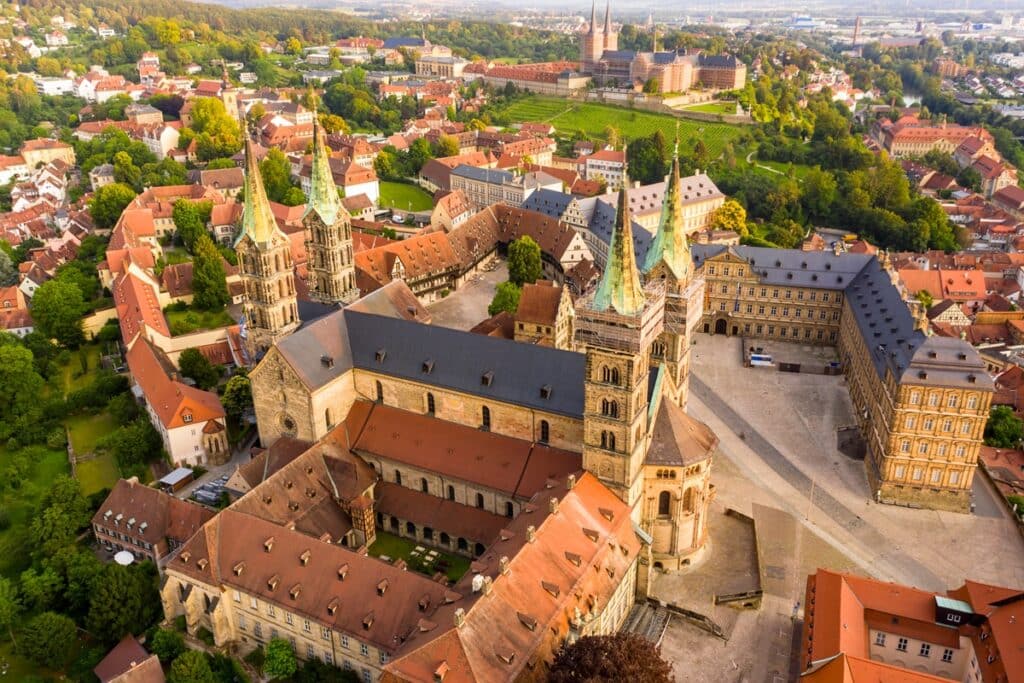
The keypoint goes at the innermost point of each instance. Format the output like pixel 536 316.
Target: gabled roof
pixel 164 515
pixel 175 403
pixel 538 302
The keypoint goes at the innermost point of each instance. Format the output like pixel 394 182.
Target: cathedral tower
pixel 669 260
pixel 616 325
pixel 611 38
pixel 592 43
pixel 265 266
pixel 332 278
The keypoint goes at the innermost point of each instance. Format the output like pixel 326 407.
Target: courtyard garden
pixel 421 558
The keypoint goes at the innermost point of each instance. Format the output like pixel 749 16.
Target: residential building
pixel 857 628
pixel 128 662
pixel 440 66
pixel 605 165
pixel 545 315
pixel 145 521
pixel 45 150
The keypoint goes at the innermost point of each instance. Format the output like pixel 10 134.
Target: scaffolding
pixel 608 329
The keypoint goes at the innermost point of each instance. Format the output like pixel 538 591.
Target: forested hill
pixel 318 26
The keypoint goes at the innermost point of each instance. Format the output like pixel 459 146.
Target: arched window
pixel 430 403
pixel 609 408
pixel 610 375
pixel 485 418
pixel 451 493
pixel 380 392
pixel 423 485
pixel 445 539
pixel 545 431
pixel 398 477
pixel 480 500
pixel 463 544
pixel 410 528
pixel 509 509
pixel 688 500
pixel 664 503
pixel 608 440
pixel 658 349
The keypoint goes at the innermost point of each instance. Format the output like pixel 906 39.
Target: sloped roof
pixel 679 440
pixel 171 400
pixel 165 515
pixel 538 302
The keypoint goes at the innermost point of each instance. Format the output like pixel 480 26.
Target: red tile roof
pixel 175 403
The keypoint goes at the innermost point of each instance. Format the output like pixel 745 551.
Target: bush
pixel 205 635
pixel 48 639
pixel 58 438
pixel 167 645
pixel 255 658
pixel 5 519
pixel 179 624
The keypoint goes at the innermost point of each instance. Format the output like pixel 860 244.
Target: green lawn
pixel 73 376
pixel 100 472
pixel 20 668
pixel 397 547
pixel 97 473
pixel 568 117
pixel 713 107
pixel 43 466
pixel 190 320
pixel 405 197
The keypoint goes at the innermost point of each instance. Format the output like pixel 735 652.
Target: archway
pixel 735 330
pixel 720 326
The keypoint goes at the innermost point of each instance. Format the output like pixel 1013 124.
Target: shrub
pixel 58 438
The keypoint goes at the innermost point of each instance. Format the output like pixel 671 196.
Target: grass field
pixel 72 376
pixel 592 119
pixel 404 197
pixel 395 546
pixel 96 473
pixel 21 503
pixel 713 107
pixel 183 322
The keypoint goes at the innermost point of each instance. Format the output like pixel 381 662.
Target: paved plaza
pixel 467 306
pixel 780 464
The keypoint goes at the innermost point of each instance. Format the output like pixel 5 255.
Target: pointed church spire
pixel 257 219
pixel 670 243
pixel 608 17
pixel 619 288
pixel 593 17
pixel 323 193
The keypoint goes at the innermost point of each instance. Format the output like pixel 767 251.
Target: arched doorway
pixel 720 326
pixel 735 330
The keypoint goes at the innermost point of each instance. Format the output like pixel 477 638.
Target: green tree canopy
pixel 167 644
pixel 1003 429
pixel 194 364
pixel 209 283
pixel 10 606
pixel 125 600
pixel 524 261
pixel 506 298
pixel 730 216
pixel 108 202
pixel 237 397
pixel 280 659
pixel 48 639
pixel 646 158
pixel 57 308
pixel 191 666
pixel 188 223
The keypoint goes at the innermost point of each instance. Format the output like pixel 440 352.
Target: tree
pixel 217 133
pixel 332 123
pixel 195 365
pixel 652 86
pixel 1003 429
pixel 209 284
pixel 20 382
pixel 108 202
pixel 167 645
pixel 48 639
pixel 125 600
pixel 237 398
pixel 506 298
pixel 8 273
pixel 611 136
pixel 81 570
pixel 191 667
pixel 618 657
pixel 280 659
pixel 57 308
pixel 188 223
pixel 10 607
pixel 277 174
pixel 646 159
pixel 925 298
pixel 524 264
pixel 730 216
pixel 41 588
pixel 133 444
pixel 447 146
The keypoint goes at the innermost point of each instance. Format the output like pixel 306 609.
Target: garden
pixel 404 196
pixel 423 559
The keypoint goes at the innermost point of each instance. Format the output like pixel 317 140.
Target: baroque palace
pixel 921 401
pixel 566 476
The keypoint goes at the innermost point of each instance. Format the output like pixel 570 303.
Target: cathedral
pixel 674 71
pixel 567 477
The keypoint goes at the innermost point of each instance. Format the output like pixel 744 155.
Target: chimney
pixel 503 564
pixel 553 506
pixel 460 617
pixel 531 533
pixel 486 589
pixel 570 482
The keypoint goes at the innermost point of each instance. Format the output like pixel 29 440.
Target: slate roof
pixel 816 269
pixel 483 175
pixel 460 361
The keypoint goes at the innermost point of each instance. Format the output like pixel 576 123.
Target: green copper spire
pixel 258 220
pixel 670 243
pixel 619 288
pixel 323 193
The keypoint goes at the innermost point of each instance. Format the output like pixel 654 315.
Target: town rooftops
pixel 175 403
pixel 150 514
